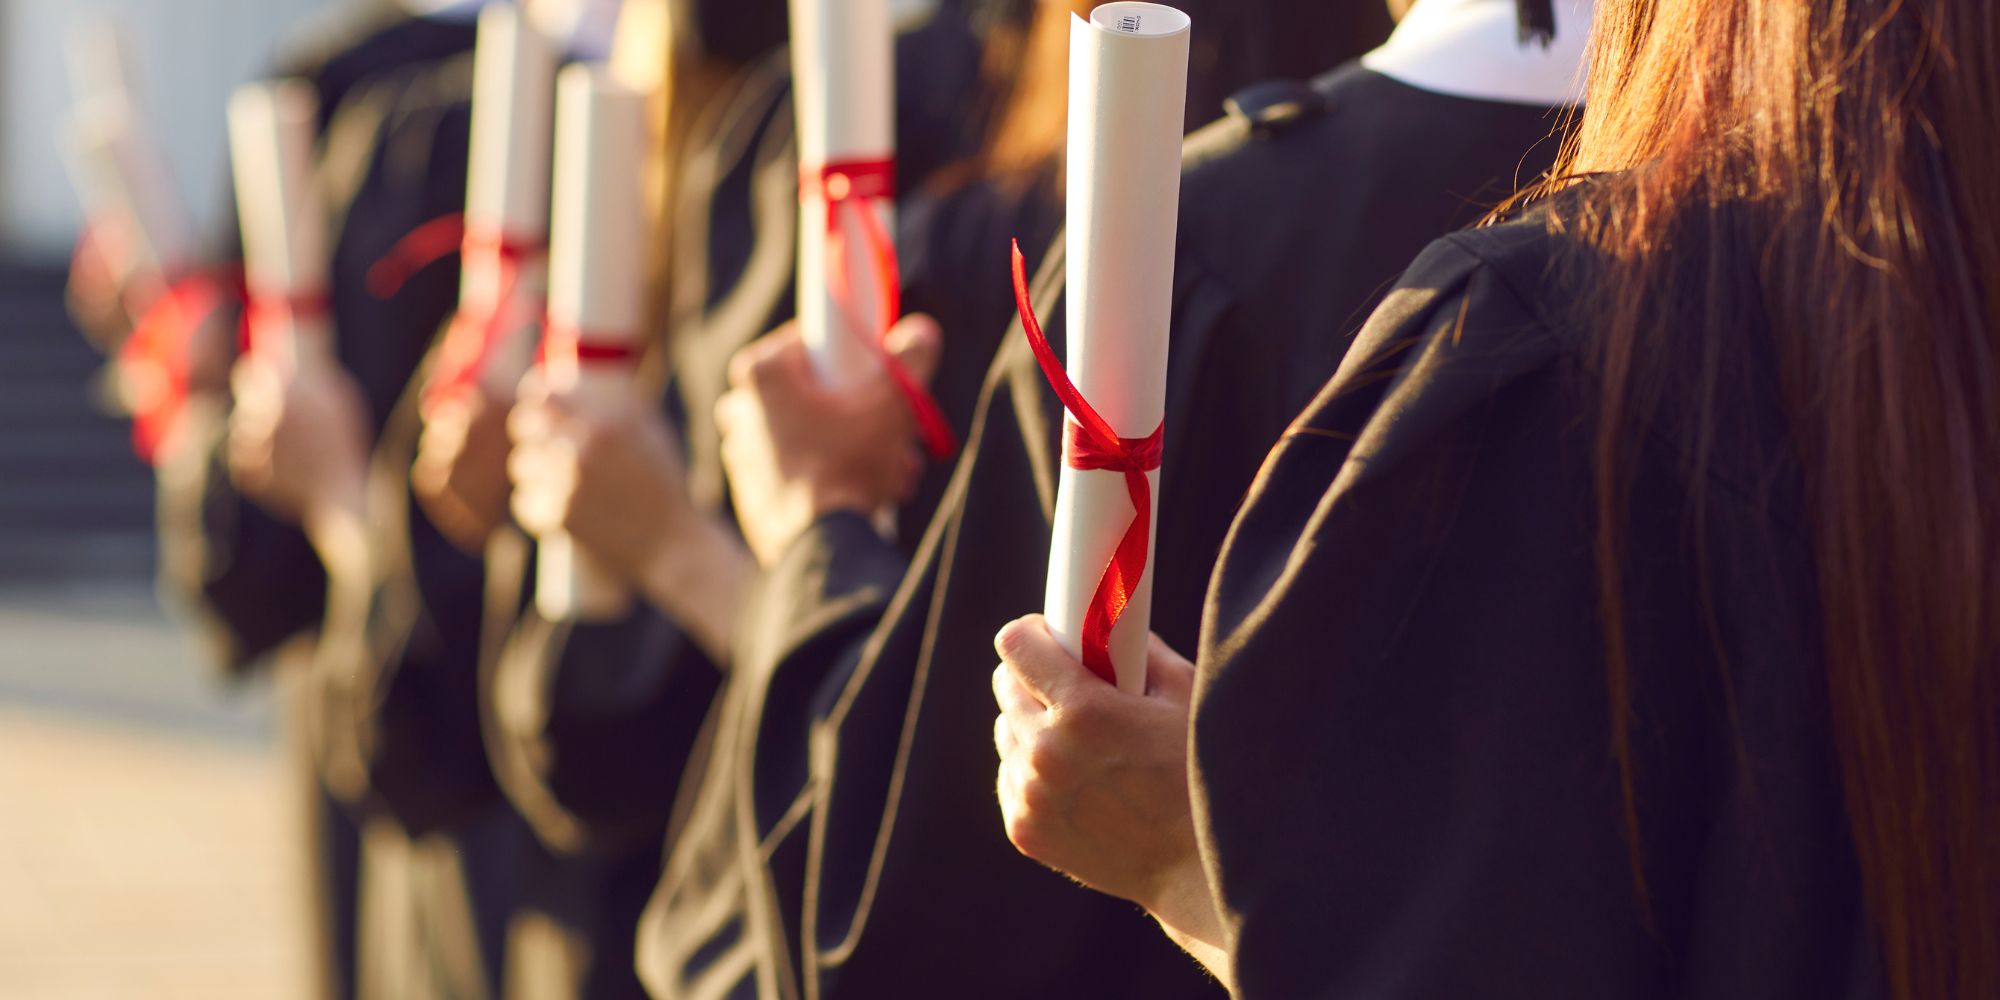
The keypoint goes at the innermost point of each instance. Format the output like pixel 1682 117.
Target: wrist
pixel 336 523
pixel 698 576
pixel 1183 902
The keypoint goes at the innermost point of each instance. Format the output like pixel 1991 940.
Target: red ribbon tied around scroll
pixel 265 309
pixel 478 328
pixel 581 347
pixel 154 361
pixel 1090 444
pixel 849 188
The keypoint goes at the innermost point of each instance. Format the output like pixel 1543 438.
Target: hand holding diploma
pixel 797 449
pixel 1094 780
pixel 608 474
pixel 843 67
pixel 133 285
pixel 299 441
pixel 272 129
pixel 460 472
pixel 597 298
pixel 611 480
pixel 504 277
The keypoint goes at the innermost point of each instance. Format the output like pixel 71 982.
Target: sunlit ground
pixel 146 830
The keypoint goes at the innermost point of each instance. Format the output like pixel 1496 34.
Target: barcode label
pixel 1129 24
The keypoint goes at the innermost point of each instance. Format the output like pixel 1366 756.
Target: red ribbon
pixel 580 347
pixel 1091 444
pixel 477 329
pixel 154 361
pixel 159 351
pixel 850 186
pixel 262 308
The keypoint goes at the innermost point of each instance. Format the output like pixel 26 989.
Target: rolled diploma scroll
pixel 843 72
pixel 507 187
pixel 271 139
pixel 101 60
pixel 118 165
pixel 1128 91
pixel 597 289
pixel 121 174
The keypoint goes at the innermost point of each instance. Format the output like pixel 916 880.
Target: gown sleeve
pixel 396 670
pixel 250 581
pixel 1403 770
pixel 593 725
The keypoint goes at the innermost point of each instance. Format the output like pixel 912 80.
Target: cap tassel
pixel 1537 21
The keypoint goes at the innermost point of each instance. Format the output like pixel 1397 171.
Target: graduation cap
pixel 1537 21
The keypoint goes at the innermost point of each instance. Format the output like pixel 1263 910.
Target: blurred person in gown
pixel 250 580
pixel 1298 210
pixel 403 731
pixel 589 724
pixel 1620 614
pixel 733 906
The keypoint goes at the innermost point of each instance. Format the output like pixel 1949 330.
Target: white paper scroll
pixel 122 176
pixel 507 190
pixel 118 166
pixel 285 249
pixel 843 90
pixel 598 253
pixel 101 60
pixel 1128 92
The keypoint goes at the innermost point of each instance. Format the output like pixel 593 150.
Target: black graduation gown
pixel 405 707
pixel 862 852
pixel 251 583
pixel 392 683
pixel 590 725
pixel 1405 626
pixel 254 582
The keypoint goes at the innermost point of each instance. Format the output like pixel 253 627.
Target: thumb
pixel 917 342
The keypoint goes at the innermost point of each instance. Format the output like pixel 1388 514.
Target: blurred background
pixel 142 812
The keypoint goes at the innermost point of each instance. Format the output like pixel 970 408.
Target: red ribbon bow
pixel 849 186
pixel 158 351
pixel 478 328
pixel 154 360
pixel 170 310
pixel 1091 444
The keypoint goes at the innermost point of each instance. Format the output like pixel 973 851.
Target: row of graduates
pixel 1393 772
pixel 464 853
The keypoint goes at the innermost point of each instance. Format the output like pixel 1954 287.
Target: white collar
pixel 1473 48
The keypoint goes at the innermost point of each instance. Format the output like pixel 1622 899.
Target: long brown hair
pixel 1237 43
pixel 1840 158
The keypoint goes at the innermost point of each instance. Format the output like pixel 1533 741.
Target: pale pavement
pixel 147 838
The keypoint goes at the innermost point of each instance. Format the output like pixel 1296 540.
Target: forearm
pixel 1213 957
pixel 1184 906
pixel 699 578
